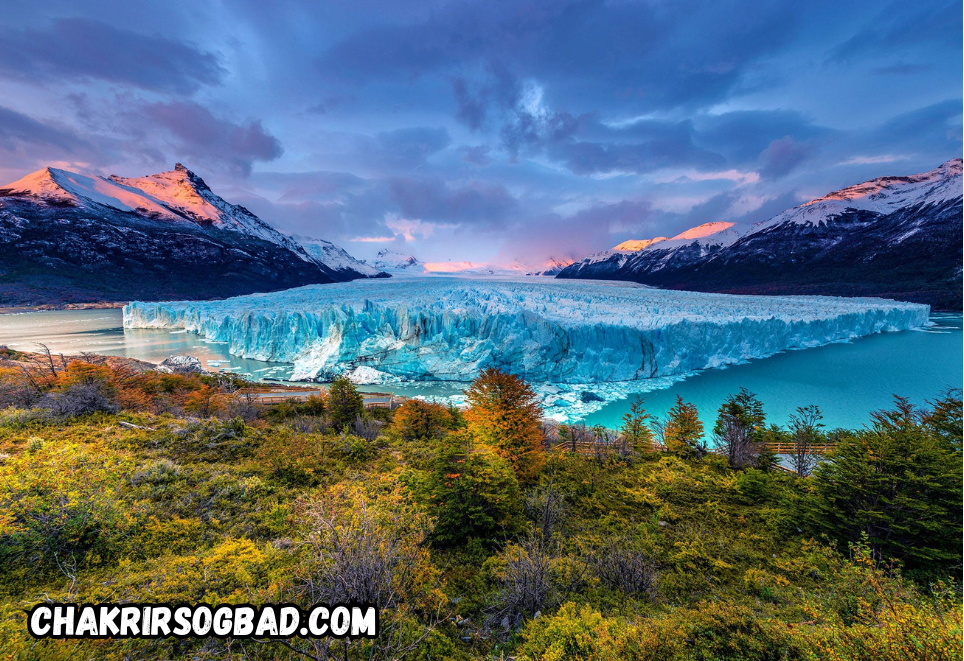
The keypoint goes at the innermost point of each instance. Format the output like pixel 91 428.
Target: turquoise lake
pixel 847 381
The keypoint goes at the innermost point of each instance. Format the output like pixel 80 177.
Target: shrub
pixel 60 507
pixel 418 419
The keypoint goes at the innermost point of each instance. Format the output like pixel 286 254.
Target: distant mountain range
pixel 67 237
pixel 396 262
pixel 893 237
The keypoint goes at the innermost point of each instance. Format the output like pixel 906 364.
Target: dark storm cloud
pixel 76 48
pixel 199 134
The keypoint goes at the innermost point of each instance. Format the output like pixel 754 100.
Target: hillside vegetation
pixel 482 533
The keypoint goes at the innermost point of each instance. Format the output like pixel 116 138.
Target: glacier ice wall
pixel 549 331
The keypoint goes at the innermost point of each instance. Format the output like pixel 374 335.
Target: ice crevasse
pixel 547 331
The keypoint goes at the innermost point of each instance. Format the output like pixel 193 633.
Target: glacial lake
pixel 847 381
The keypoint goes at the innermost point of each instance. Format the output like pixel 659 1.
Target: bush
pixel 60 508
pixel 418 419
pixel 79 399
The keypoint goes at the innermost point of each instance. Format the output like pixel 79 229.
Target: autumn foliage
pixel 504 414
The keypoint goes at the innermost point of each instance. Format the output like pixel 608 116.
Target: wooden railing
pixel 279 394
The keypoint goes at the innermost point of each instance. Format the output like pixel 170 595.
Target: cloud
pixel 198 133
pixel 19 131
pixel 641 147
pixel 480 205
pixel 901 25
pixel 405 147
pixel 476 155
pixel 781 157
pixel 77 48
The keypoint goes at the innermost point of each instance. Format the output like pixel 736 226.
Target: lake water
pixel 847 381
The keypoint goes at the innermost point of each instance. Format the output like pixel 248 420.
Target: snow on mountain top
pixel 704 230
pixel 389 260
pixel 713 229
pixel 635 245
pixel 179 190
pixel 178 195
pixel 333 256
pixel 57 185
pixel 882 195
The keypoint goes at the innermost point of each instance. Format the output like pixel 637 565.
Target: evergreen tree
pixel 636 432
pixel 345 403
pixel 899 483
pixel 471 491
pixel 683 430
pixel 504 414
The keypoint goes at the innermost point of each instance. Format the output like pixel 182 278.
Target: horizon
pixel 422 132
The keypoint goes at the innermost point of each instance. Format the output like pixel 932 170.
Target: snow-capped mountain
pixel 68 237
pixel 693 244
pixel 897 237
pixel 337 258
pixel 551 266
pixel 391 261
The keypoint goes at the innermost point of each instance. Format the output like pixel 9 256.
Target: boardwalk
pixel 279 394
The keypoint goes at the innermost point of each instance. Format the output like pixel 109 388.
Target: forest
pixel 486 532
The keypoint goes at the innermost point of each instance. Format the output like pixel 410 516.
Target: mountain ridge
pixel 896 237
pixel 73 238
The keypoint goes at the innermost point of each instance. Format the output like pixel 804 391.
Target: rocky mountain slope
pixel 894 237
pixel 396 262
pixel 67 237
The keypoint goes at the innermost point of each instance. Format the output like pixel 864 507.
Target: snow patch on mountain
pixel 392 261
pixel 178 195
pixel 335 257
pixel 634 245
pixel 882 195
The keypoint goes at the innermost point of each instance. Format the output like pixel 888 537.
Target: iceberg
pixel 549 332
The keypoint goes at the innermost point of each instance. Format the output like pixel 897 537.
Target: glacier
pixel 564 332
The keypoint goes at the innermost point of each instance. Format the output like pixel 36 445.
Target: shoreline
pixel 49 307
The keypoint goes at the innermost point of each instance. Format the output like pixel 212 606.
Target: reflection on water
pixel 847 381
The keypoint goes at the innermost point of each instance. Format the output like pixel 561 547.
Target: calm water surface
pixel 847 381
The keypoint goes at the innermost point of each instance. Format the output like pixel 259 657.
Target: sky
pixel 493 132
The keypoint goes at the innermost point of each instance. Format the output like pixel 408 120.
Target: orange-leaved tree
pixel 504 414
pixel 684 431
